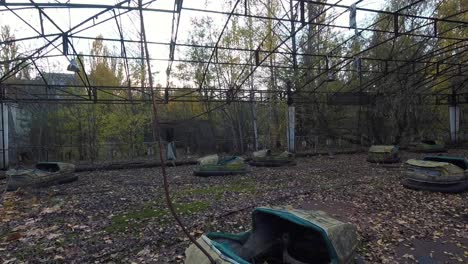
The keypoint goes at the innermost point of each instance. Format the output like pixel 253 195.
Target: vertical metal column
pixel 4 148
pixel 251 81
pixel 291 126
pixel 454 112
pixel 454 123
pixel 291 120
pixel 289 85
pixel 254 118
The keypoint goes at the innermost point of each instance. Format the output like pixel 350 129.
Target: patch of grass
pixel 215 191
pixel 133 219
pixel 4 233
pixel 192 208
pixel 70 237
pixel 245 187
pixel 218 190
pixel 152 210
pixel 136 219
pixel 33 250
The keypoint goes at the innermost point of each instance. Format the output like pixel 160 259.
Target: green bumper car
pixel 383 154
pixel 213 166
pixel 45 174
pixel 437 174
pixel 281 235
pixel 266 158
pixel 427 146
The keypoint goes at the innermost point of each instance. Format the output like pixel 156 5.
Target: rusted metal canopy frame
pixel 173 44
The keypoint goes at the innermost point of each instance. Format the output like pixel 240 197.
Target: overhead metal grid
pixel 250 59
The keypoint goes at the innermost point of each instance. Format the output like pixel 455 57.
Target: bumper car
pixel 45 174
pixel 213 166
pixel 281 235
pixel 266 158
pixel 437 174
pixel 383 154
pixel 427 146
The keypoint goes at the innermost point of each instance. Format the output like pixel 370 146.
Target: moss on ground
pixel 217 191
pixel 32 250
pixel 137 218
pixel 244 187
pixel 155 210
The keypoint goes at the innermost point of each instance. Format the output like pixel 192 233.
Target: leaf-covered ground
pixel 120 216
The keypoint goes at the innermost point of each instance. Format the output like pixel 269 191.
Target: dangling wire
pixel 158 139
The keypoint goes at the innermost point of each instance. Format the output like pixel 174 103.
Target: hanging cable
pixel 156 126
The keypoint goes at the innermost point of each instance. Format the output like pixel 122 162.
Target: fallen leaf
pixel 14 236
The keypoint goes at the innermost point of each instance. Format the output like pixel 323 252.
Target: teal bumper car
pixel 281 235
pixel 427 146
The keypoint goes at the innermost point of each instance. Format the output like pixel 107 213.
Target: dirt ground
pixel 120 216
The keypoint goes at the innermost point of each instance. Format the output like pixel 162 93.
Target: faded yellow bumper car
pixel 267 158
pixel 214 166
pixel 45 174
pixel 383 154
pixel 438 174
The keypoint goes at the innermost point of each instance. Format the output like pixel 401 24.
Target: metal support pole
pixel 291 120
pixel 291 132
pixel 289 85
pixel 251 81
pixel 293 38
pixel 395 24
pixel 254 123
pixel 454 112
pixel 302 10
pixel 2 128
